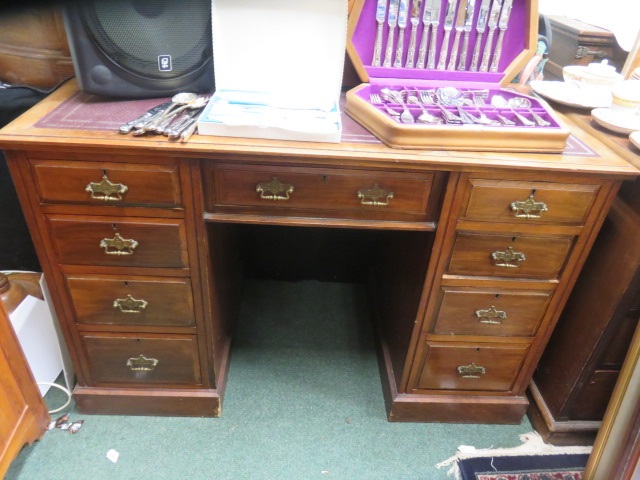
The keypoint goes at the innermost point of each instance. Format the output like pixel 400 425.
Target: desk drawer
pixel 132 301
pixel 493 313
pixel 107 183
pixel 360 192
pixel 483 367
pixel 519 256
pixel 116 241
pixel 528 202
pixel 142 359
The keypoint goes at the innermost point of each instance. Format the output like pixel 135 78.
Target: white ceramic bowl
pixel 594 74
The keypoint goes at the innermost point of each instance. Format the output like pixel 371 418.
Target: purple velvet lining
pixel 514 43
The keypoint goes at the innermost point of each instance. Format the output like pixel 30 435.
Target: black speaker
pixel 141 48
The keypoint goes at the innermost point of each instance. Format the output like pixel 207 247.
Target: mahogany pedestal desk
pixel 474 254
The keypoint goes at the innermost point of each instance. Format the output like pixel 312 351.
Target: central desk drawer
pixel 116 241
pixel 142 359
pixel 355 191
pixel 521 256
pixel 482 367
pixel 132 301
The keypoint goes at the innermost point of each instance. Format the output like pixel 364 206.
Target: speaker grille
pixel 135 33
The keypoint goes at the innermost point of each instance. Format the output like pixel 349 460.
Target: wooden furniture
pixel 23 414
pixel 577 43
pixel 575 378
pixel 33 47
pixel 473 256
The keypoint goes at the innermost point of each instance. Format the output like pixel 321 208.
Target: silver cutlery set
pixel 177 120
pixel 453 106
pixel 459 21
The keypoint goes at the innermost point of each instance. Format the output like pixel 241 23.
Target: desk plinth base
pixel 167 402
pixel 555 431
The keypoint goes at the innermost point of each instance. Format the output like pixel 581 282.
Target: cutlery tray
pixel 490 126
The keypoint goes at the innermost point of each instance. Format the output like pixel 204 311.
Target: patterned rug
pixel 531 460
pixel 534 467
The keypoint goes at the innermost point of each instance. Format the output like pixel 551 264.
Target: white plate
pixel 617 121
pixel 572 95
pixel 635 139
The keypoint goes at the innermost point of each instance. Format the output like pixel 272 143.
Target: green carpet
pixel 303 401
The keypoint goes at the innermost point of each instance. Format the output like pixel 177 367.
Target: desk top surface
pixel 50 124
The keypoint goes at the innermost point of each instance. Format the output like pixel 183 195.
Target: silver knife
pixel 381 13
pixel 435 22
pixel 502 25
pixel 426 23
pixel 403 14
pixel 460 18
pixel 481 26
pixel 392 21
pixel 492 23
pixel 468 24
pixel 448 26
pixel 415 20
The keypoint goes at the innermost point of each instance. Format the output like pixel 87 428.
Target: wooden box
pixel 576 43
pixel 420 86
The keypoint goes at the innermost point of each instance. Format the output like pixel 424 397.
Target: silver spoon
pixel 425 116
pixel 452 97
pixel 521 102
pixel 177 100
pixel 500 102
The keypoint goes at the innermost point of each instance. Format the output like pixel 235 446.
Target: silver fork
pixel 374 98
pixel 425 96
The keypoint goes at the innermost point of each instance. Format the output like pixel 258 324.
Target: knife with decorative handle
pixel 426 23
pixel 481 26
pixel 502 25
pixel 468 23
pixel 493 23
pixel 381 12
pixel 392 21
pixel 403 13
pixel 435 22
pixel 415 20
pixel 460 19
pixel 448 26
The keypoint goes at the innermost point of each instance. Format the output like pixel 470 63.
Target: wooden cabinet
pixel 23 414
pixel 471 256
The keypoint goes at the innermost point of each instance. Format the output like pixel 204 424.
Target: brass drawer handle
pixel 471 371
pixel 142 364
pixel 130 304
pixel 508 258
pixel 105 190
pixel 118 245
pixel 528 208
pixel 491 316
pixel 274 190
pixel 372 196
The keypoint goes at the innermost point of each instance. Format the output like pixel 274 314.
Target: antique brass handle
pixel 130 304
pixel 528 208
pixel 508 258
pixel 142 364
pixel 375 196
pixel 471 371
pixel 105 190
pixel 118 245
pixel 491 316
pixel 274 190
